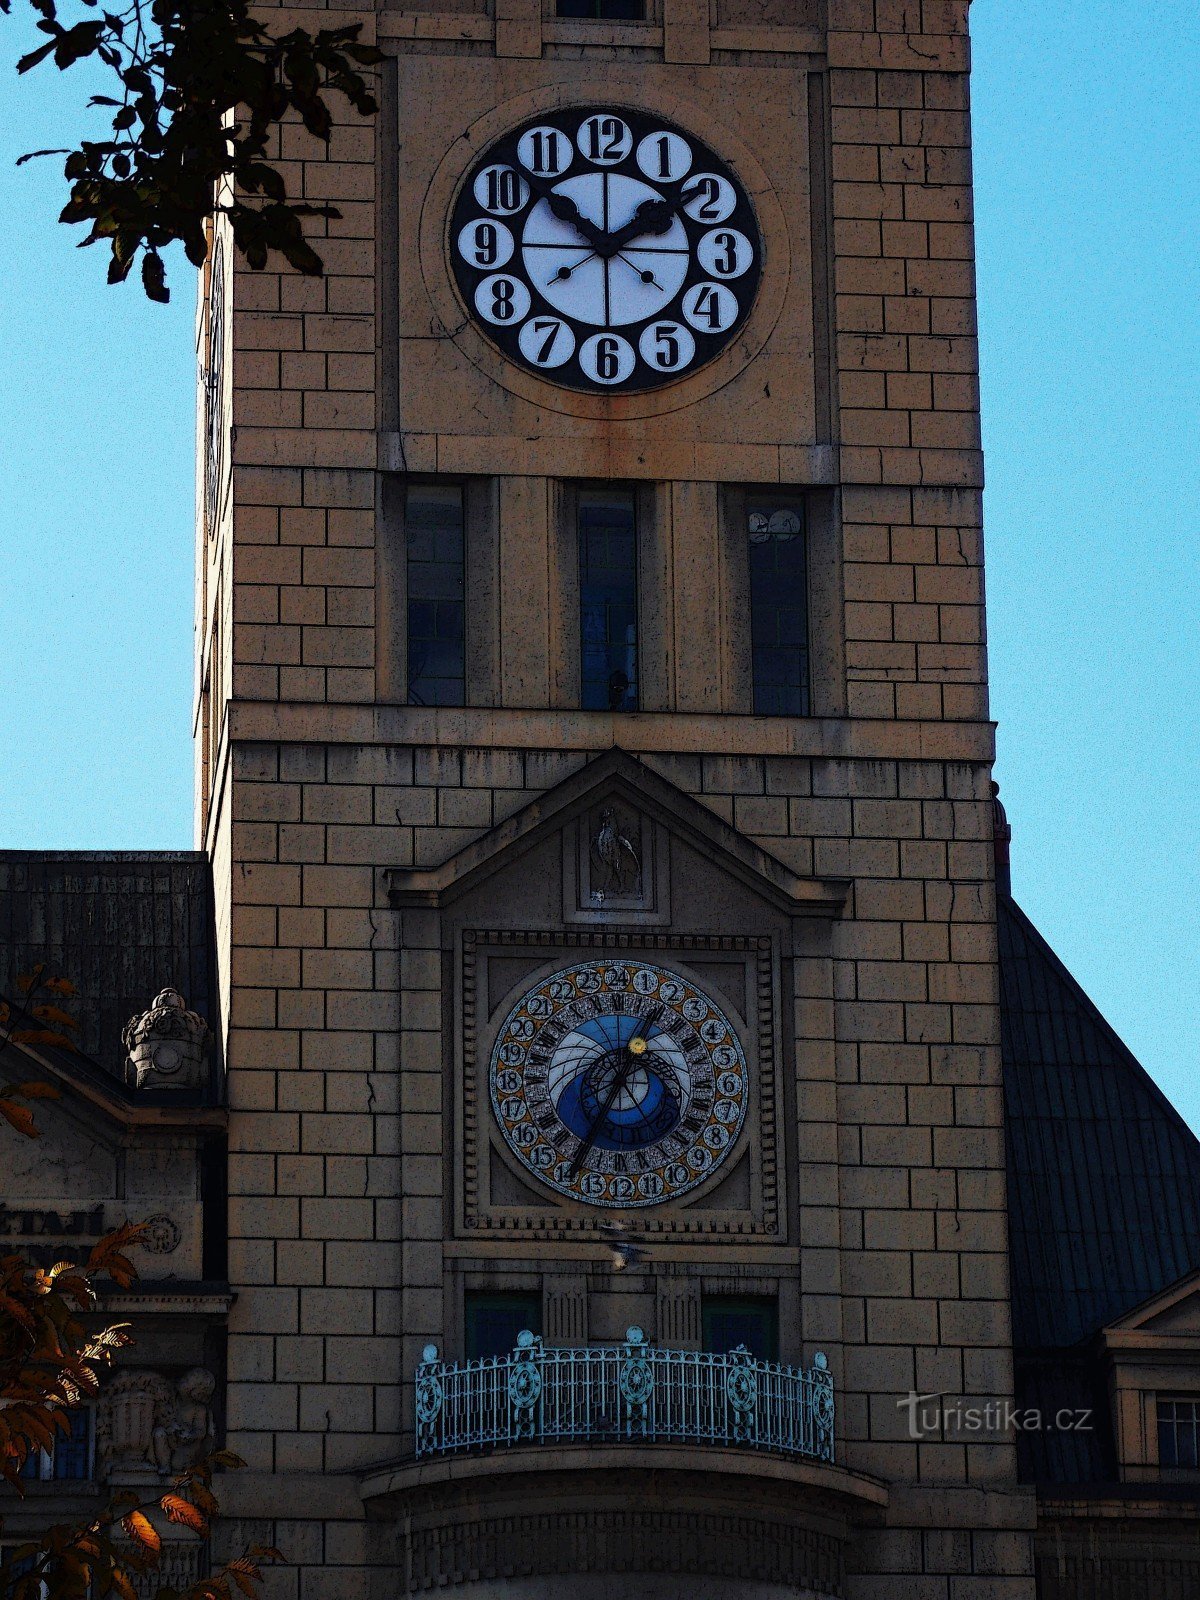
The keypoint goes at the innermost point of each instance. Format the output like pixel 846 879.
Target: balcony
pixel 629 1395
pixel 655 1474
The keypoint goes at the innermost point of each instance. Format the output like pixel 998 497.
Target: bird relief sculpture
pixel 615 862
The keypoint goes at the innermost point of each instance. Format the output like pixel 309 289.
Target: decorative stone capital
pixel 166 1044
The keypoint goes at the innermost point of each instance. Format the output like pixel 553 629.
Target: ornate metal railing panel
pixel 633 1392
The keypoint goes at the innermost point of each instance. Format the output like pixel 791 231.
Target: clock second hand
pixel 564 273
pixel 645 276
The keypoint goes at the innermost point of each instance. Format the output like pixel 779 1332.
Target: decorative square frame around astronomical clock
pixel 499 1197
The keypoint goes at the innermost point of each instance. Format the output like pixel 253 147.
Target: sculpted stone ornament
pixel 147 1426
pixel 166 1044
pixel 617 864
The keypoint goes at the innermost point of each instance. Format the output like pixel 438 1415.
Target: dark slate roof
pixel 1103 1191
pixel 121 925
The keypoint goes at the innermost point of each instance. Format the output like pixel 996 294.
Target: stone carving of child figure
pixel 187 1435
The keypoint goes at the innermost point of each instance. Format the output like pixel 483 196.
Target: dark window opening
pixel 778 605
pixel 69 1458
pixel 603 10
pixel 730 1320
pixel 608 561
pixel 493 1321
pixel 436 548
pixel 1179 1433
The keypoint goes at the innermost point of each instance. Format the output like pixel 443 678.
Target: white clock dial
pixel 605 249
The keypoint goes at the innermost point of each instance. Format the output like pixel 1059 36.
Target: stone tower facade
pixel 409 843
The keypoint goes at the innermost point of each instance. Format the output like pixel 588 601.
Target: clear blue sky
pixel 1088 200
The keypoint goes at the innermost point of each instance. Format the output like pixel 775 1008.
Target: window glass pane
pixel 603 10
pixel 1179 1433
pixel 494 1321
pixel 730 1320
pixel 608 601
pixel 778 605
pixel 72 1457
pixel 433 524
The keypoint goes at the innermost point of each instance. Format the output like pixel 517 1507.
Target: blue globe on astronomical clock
pixel 628 1114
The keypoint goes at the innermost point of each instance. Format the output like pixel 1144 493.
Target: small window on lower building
pixel 778 605
pixel 608 608
pixel 493 1321
pixel 436 551
pixel 69 1458
pixel 730 1320
pixel 602 10
pixel 1179 1433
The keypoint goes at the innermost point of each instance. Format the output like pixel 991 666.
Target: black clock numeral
pixel 667 346
pixel 605 140
pixel 501 190
pixel 501 299
pixel 486 247
pixel 710 307
pixel 544 151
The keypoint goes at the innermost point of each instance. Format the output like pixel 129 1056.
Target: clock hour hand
pixel 620 1078
pixel 565 209
pixel 654 217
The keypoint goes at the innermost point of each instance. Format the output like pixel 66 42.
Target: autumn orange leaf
pixel 138 1526
pixel 181 1511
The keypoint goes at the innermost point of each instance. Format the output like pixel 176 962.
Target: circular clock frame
pixel 605 249
pixel 453 322
pixel 619 1083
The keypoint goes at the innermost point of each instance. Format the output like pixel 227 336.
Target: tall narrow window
pixel 1179 1433
pixel 778 605
pixel 608 611
pixel 603 10
pixel 433 523
pixel 494 1321
pixel 729 1320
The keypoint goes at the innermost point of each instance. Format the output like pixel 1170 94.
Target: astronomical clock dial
pixel 619 1083
pixel 605 250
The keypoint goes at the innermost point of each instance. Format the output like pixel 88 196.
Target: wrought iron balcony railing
pixel 622 1395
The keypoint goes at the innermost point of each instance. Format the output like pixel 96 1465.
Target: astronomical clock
pixel 619 1083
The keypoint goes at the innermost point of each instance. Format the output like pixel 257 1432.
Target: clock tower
pixel 594 764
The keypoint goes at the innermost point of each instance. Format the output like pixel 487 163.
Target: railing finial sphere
pixel 429 1353
pixel 634 1335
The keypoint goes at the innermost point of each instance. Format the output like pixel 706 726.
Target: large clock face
pixel 619 1083
pixel 605 249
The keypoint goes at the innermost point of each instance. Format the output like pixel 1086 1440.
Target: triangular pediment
pixel 1174 1313
pixel 627 782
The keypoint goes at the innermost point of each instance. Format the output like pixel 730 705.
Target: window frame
pixel 652 666
pixel 47 1460
pixel 556 15
pixel 824 596
pixel 481 604
pixel 494 1299
pixel 1177 1399
pixel 713 1302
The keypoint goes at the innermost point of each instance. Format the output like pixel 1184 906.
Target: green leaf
pixel 154 277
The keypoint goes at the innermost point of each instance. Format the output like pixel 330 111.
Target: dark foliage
pixel 199 88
